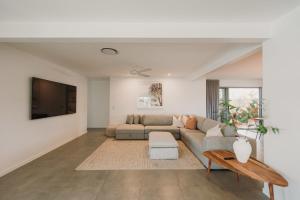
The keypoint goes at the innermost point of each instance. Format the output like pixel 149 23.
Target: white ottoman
pixel 162 145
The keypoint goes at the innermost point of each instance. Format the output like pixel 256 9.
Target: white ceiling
pixel 179 59
pixel 144 10
pixel 97 19
pixel 248 68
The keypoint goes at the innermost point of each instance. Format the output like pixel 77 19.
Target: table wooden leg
pixel 271 191
pixel 237 177
pixel 209 167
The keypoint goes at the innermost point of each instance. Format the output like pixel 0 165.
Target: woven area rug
pixel 133 155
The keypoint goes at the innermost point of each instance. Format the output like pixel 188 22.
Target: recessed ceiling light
pixel 109 51
pixel 169 74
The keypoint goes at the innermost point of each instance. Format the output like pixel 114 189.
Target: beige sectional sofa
pixel 195 140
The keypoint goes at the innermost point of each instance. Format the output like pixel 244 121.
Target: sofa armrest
pixel 217 142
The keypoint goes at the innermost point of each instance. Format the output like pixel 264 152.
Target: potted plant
pixel 235 117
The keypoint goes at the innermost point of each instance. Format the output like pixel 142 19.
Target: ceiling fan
pixel 140 72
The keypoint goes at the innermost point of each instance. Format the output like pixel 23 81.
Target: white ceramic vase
pixel 242 149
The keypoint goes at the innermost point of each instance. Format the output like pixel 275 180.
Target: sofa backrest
pixel 157 120
pixel 200 121
pixel 208 124
pixel 203 124
pixel 229 131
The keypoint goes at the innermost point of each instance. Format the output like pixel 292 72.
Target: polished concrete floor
pixel 53 177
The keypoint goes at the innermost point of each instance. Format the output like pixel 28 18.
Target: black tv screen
pixel 50 98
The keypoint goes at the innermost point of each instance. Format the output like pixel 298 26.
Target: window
pixel 240 97
pixel 245 99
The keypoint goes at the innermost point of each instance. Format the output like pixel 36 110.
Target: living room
pixel 147 119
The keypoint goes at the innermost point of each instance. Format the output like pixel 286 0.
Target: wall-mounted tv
pixel 49 99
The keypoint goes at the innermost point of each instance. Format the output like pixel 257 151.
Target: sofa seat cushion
pixel 193 139
pixel 172 129
pixel 130 128
pixel 130 132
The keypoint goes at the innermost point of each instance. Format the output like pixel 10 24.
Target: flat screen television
pixel 49 99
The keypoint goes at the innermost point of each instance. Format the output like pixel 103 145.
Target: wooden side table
pixel 253 169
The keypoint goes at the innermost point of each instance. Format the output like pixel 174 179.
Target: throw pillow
pixel 129 119
pixel 200 121
pixel 177 122
pixel 215 131
pixel 191 123
pixel 136 119
pixel 184 119
pixel 228 131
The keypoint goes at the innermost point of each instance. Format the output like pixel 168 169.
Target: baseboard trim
pixel 51 148
pixel 84 132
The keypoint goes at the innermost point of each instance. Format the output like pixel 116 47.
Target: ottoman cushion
pixel 162 139
pixel 162 145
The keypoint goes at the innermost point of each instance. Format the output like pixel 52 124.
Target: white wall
pixel 98 103
pixel 281 75
pixel 179 96
pixel 22 139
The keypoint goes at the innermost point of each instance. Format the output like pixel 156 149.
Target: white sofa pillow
pixel 215 131
pixel 177 122
pixel 184 119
